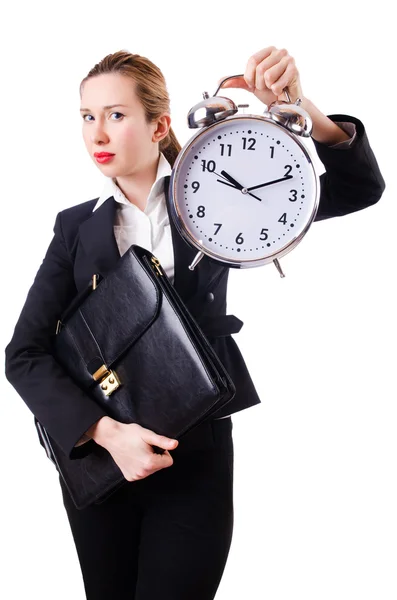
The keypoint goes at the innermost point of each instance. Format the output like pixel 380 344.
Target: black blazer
pixel 84 244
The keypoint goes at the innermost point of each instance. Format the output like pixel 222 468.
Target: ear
pixel 162 128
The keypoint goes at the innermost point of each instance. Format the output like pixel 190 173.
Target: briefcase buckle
pixel 108 380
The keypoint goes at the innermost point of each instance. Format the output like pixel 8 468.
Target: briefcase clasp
pixel 156 265
pixel 108 380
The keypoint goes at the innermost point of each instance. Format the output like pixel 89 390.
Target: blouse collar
pixel 111 188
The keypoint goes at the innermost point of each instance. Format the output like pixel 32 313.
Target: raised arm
pixel 352 179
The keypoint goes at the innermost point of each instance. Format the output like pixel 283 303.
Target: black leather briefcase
pixel 133 346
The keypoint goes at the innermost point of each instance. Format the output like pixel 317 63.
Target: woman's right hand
pixel 131 447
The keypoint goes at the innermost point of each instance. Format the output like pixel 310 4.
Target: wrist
pixel 102 430
pixel 325 130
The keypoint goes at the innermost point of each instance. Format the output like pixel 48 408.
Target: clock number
pixel 288 172
pixel 283 218
pixel 271 151
pixel 195 186
pixel 223 148
pixel 252 141
pixel 295 195
pixel 239 239
pixel 219 225
pixel 201 211
pixel 263 232
pixel 210 165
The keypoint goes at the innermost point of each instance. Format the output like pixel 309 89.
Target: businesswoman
pixel 167 532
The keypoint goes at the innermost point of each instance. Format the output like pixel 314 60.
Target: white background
pixel 315 463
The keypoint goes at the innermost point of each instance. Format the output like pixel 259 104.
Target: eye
pixel 117 113
pixel 84 117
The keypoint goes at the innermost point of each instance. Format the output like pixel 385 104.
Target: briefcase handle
pixel 79 299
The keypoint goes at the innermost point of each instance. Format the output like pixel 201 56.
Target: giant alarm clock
pixel 244 190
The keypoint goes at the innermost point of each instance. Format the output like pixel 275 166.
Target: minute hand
pixel 255 187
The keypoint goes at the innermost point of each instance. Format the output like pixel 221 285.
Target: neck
pixel 136 187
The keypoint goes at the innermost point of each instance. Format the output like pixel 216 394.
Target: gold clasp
pixel 157 265
pixel 108 380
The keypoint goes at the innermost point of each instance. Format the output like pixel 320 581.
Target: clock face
pixel 243 190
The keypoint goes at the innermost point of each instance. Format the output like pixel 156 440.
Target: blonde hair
pixel 150 88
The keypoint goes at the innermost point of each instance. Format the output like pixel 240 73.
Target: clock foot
pixel 196 260
pixel 278 267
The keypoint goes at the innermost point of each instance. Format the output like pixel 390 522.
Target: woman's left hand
pixel 268 72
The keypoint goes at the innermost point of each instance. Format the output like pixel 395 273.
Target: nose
pixel 98 133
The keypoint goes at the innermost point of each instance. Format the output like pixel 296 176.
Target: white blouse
pixel 149 228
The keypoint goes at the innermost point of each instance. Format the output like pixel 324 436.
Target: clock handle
pixel 297 101
pixel 225 79
pixel 285 90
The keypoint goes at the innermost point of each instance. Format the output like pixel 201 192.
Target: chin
pixel 108 170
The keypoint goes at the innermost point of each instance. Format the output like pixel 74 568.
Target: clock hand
pixel 226 183
pixel 220 181
pixel 255 187
pixel 235 184
pixel 230 178
pixel 236 188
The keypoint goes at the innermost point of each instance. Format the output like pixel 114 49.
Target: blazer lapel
pixel 185 280
pixel 97 237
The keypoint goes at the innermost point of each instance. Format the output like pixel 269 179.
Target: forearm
pixel 325 131
pixel 352 179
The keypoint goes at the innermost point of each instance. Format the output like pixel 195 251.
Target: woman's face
pixel 114 122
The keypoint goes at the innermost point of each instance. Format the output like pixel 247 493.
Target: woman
pixel 167 532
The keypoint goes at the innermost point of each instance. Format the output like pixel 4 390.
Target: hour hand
pixel 232 180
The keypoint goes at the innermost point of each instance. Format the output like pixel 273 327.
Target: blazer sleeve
pixel 352 179
pixel 56 401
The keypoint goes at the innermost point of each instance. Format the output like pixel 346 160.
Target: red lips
pixel 103 157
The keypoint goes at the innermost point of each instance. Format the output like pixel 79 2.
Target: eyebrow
pixel 105 107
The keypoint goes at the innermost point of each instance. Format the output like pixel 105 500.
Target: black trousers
pixel 165 536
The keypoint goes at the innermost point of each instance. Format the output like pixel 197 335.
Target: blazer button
pixel 210 297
